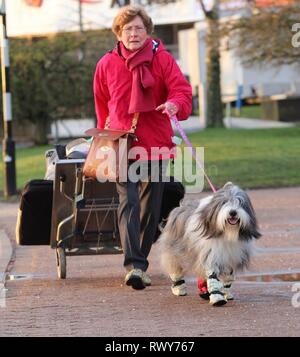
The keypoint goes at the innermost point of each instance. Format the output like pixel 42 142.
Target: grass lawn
pixel 30 164
pixel 253 111
pixel 250 158
pixel 248 111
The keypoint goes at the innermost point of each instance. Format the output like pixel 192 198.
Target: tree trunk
pixel 214 101
pixel 41 131
pixel 213 70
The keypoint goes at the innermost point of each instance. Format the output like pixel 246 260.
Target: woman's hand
pixel 171 108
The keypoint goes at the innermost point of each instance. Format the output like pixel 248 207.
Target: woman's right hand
pixel 169 107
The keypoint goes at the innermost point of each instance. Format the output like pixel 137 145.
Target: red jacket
pixel 112 87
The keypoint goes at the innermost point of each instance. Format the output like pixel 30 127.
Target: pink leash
pixel 190 146
pixel 202 284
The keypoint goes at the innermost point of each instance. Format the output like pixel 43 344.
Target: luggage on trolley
pixel 74 214
pixel 84 213
pixel 34 216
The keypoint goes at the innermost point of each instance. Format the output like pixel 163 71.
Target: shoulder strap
pixel 133 124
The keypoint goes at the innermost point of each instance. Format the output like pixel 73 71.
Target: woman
pixel 140 76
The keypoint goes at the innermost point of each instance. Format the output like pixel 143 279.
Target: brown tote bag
pixel 107 158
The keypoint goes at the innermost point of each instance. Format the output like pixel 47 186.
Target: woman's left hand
pixel 171 108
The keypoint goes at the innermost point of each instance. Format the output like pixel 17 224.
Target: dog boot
pixel 215 289
pixel 227 293
pixel 178 287
pixel 217 298
pixel 202 286
pixel 227 281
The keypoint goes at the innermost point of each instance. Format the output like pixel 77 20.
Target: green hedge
pixel 52 78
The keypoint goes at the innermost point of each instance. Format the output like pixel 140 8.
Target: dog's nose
pixel 233 213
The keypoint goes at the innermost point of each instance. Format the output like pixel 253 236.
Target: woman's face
pixel 134 34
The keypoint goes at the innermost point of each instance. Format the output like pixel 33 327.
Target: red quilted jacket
pixel 112 86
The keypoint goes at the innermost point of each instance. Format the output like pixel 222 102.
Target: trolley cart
pixel 84 215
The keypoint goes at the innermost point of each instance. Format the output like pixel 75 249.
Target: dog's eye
pixel 240 201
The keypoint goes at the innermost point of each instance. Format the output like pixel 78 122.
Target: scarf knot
pixel 139 64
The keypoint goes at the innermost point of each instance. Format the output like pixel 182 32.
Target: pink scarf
pixel 139 64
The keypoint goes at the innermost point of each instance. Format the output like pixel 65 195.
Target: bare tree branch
pixel 203 8
pixel 265 36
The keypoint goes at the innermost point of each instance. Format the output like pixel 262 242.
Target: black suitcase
pixel 35 211
pixel 34 216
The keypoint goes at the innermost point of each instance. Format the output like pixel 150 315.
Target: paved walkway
pixel 5 254
pixel 92 301
pixel 94 287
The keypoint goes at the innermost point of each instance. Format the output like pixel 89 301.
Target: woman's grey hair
pixel 127 14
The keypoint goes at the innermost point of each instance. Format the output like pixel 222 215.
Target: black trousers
pixel 138 216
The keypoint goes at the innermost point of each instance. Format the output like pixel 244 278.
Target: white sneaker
pixel 135 279
pixel 146 279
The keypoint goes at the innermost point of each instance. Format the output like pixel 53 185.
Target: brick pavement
pixel 92 301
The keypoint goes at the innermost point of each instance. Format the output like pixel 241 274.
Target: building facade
pixel 179 23
pixel 46 17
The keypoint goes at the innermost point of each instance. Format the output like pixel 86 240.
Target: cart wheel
pixel 61 263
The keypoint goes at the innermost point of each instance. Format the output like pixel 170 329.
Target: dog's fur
pixel 213 238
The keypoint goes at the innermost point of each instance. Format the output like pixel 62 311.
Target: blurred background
pixel 241 57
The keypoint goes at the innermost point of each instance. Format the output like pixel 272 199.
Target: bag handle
pixel 133 124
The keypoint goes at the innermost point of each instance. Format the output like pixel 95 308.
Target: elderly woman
pixel 139 78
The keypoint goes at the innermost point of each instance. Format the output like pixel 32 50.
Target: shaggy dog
pixel 214 239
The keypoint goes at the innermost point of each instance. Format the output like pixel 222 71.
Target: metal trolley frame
pixel 84 215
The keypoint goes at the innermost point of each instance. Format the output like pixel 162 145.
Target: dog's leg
pixel 215 288
pixel 178 287
pixel 227 281
pixel 175 271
